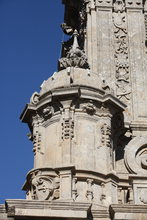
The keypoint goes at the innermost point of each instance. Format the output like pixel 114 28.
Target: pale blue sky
pixel 30 43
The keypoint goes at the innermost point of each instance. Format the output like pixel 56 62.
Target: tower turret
pixel 88 123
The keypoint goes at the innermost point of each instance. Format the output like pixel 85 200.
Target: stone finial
pixel 75 57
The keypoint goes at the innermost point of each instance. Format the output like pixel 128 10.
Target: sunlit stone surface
pixel 88 123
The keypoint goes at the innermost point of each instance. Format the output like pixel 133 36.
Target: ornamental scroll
pixel 123 90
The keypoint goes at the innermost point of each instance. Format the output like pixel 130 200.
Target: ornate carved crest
pixel 45 188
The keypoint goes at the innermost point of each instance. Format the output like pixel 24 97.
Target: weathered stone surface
pixel 88 123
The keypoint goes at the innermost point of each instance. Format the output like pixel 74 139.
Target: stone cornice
pixel 26 208
pixel 128 208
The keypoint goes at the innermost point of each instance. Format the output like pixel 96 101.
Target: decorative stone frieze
pixel 123 88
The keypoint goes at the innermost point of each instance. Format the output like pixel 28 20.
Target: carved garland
pixel 123 90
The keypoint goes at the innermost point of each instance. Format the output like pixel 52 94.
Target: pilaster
pixel 136 33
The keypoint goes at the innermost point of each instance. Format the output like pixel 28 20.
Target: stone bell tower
pixel 88 123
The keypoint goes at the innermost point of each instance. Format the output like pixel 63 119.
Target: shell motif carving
pixel 45 188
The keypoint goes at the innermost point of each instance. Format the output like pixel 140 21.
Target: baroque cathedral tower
pixel 88 123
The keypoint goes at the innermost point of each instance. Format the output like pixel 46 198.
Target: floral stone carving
pixel 123 90
pixel 45 188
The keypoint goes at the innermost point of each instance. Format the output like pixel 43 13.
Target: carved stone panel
pixel 123 88
pixel 45 188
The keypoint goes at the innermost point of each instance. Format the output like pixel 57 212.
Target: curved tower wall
pixel 88 123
